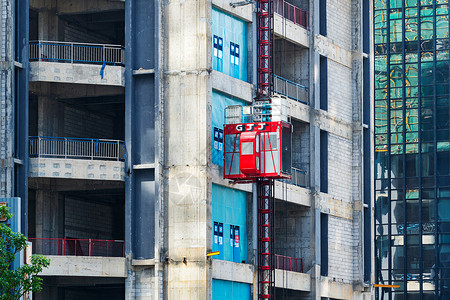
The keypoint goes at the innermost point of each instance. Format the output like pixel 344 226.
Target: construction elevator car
pixel 255 150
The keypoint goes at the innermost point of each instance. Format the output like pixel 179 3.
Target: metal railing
pixel 77 52
pixel 290 89
pixel 291 12
pixel 288 263
pixel 78 247
pixel 76 148
pixel 298 178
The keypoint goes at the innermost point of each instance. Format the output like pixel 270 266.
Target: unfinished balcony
pixel 81 230
pixel 81 257
pixel 76 158
pixel 80 63
pixel 291 22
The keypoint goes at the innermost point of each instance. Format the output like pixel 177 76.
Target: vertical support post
pixel 266 257
pixel 265 49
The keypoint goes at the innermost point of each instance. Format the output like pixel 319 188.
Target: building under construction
pixel 192 149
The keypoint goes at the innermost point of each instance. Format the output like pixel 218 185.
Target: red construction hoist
pixel 257 147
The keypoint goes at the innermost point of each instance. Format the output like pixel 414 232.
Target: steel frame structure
pixel 265 37
pixel 265 187
pixel 266 256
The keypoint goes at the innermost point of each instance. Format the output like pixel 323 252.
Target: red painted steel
pixel 264 30
pixel 289 263
pixel 78 247
pixel 235 134
pixel 291 12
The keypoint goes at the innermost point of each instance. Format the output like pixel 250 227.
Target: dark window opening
pixel 323 83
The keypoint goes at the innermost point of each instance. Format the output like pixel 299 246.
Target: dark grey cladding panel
pixel 141 99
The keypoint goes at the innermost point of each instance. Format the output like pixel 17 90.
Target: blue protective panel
pixel 232 31
pixel 219 103
pixel 229 207
pixel 14 223
pixel 230 290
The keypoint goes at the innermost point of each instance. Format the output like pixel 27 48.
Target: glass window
pixel 247 148
pixel 218 46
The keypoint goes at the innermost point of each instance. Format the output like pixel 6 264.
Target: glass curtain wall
pixel 412 149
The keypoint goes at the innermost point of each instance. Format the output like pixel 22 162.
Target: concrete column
pixel 187 98
pixel 50 27
pixel 50 117
pixel 314 95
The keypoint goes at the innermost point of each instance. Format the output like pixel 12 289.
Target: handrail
pixel 291 12
pixel 78 247
pixel 298 178
pixel 76 148
pixel 290 89
pixel 73 52
pixel 288 263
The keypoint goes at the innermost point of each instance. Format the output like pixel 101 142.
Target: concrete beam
pixel 64 185
pixel 335 207
pixel 292 280
pixel 324 120
pixel 336 290
pixel 76 73
pixel 77 169
pixel 77 6
pixel 244 12
pixel 85 266
pixel 232 86
pixel 292 32
pixel 324 46
pixel 295 194
pixel 231 271
pixel 70 91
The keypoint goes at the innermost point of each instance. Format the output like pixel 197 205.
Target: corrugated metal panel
pixel 229 207
pixel 230 290
pixel 231 30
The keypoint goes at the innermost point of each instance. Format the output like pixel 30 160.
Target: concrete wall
pixel 291 62
pixel 293 225
pixel 89 220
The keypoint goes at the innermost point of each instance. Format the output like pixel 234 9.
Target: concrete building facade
pixel 112 120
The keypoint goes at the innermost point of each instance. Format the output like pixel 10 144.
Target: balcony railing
pixel 78 247
pixel 76 148
pixel 290 89
pixel 77 53
pixel 291 12
pixel 289 263
pixel 298 178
